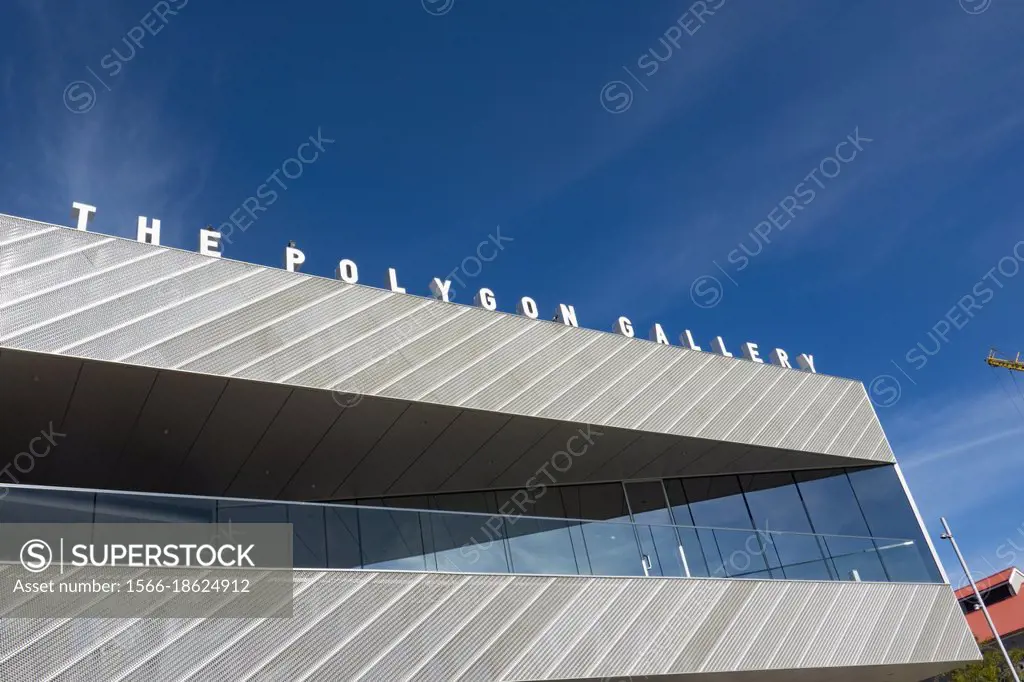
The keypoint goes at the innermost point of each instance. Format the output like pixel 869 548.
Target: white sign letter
pixel 440 289
pixel 528 307
pixel 393 281
pixel 750 352
pixel 293 258
pixel 780 357
pixel 485 299
pixel 806 363
pixel 147 234
pixel 624 327
pixel 347 271
pixel 718 346
pixel 209 243
pixel 83 214
pixel 686 338
pixel 566 314
pixel 658 334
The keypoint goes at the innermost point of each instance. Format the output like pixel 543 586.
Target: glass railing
pixel 388 538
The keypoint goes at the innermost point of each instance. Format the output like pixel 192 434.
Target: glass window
pixel 229 511
pixel 609 548
pixel 658 539
pixel 117 508
pixel 779 513
pixel 602 502
pixel 479 503
pixel 41 505
pixel 717 505
pixel 392 537
pixel 309 535
pixel 468 543
pixel 542 545
pixel 830 502
pixel 834 511
pixel 689 538
pixel 342 537
pixel 890 516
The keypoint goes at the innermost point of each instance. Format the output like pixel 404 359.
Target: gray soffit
pixel 146 430
pixel 88 295
pixel 430 627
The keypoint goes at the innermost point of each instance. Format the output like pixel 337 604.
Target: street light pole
pixel 948 535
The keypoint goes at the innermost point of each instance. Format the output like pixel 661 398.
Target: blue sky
pixel 450 118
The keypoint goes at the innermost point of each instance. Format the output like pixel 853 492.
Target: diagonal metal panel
pixel 364 625
pixel 88 295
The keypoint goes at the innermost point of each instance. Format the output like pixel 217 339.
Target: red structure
pixel 1002 595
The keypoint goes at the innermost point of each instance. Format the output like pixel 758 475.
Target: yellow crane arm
pixel 1015 365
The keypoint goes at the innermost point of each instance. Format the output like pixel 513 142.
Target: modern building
pixel 1001 593
pixel 475 495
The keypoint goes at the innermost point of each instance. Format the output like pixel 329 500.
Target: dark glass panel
pixel 689 538
pixel 717 503
pixel 309 535
pixel 849 554
pixel 393 538
pixel 612 549
pixel 777 509
pixel 42 505
pixel 247 512
pixel 600 502
pixel 889 515
pixel 812 570
pixel 546 545
pixel 831 503
pixel 342 537
pixel 478 503
pixel 543 546
pixel 658 539
pixel 468 543
pixel 117 508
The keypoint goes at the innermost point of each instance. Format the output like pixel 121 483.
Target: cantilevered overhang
pixel 427 627
pixel 139 350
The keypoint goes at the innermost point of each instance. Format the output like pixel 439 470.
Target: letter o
pixel 347 271
pixel 527 307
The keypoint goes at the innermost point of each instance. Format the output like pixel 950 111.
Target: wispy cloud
pixel 126 155
pixel 928 108
pixel 961 453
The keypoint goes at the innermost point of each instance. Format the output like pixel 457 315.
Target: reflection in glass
pixel 850 554
pixel 309 539
pixel 659 543
pixel 727 526
pixel 889 514
pixel 542 546
pixel 612 548
pixel 37 505
pixel 831 503
pixel 342 536
pixel 468 543
pixel 117 508
pixel 775 505
pixel 692 551
pixel 392 539
pixel 717 502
